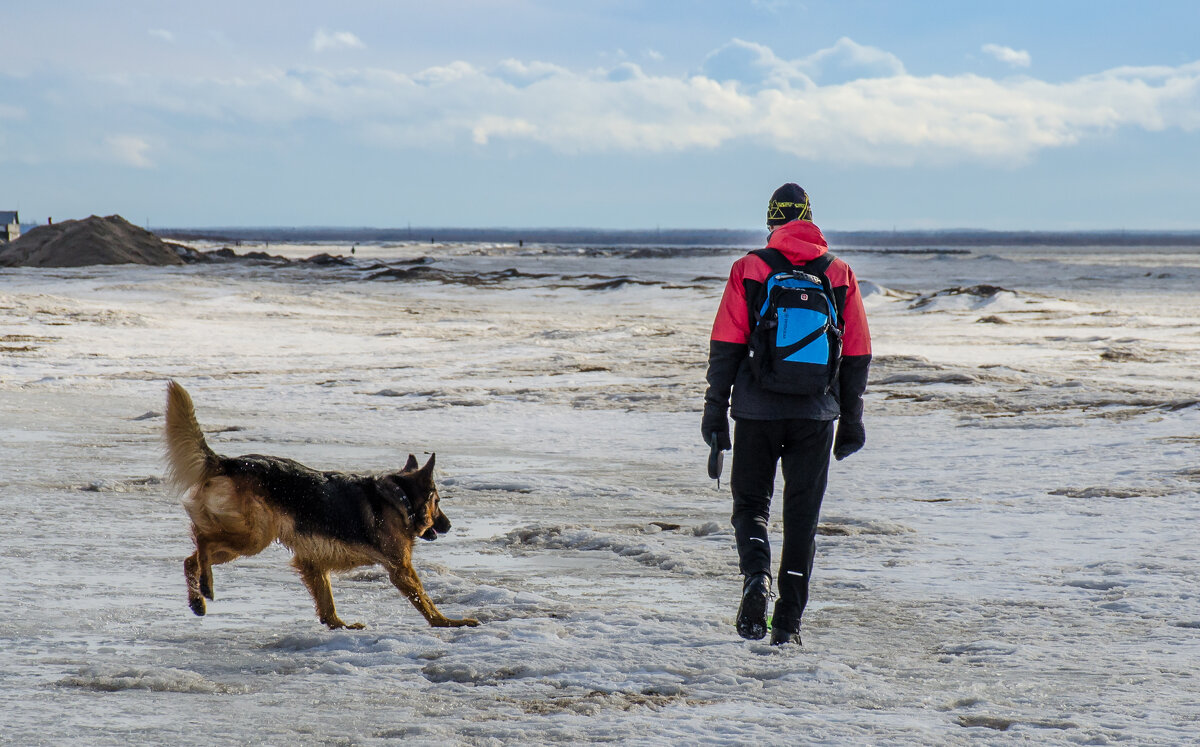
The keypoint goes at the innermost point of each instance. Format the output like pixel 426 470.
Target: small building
pixel 10 226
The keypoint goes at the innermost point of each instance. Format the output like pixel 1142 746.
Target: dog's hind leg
pixel 204 558
pixel 405 579
pixel 317 581
pixel 198 571
pixel 191 572
pixel 206 580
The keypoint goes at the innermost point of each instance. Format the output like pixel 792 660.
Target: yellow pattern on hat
pixel 775 209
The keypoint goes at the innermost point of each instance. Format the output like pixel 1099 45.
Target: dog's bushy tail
pixel 189 460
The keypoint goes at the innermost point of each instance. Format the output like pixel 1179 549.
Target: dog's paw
pixel 466 622
pixel 337 624
pixel 197 605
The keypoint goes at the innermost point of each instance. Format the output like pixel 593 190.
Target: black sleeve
pixel 723 361
pixel 852 382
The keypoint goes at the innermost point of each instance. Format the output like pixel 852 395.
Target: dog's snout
pixel 441 523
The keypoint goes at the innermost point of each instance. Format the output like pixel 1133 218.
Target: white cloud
pixel 128 150
pixel 847 60
pixel 757 66
pixel 653 55
pixel 523 74
pixel 325 40
pixel 162 34
pixel 490 126
pixel 891 118
pixel 1008 55
pixel 624 72
pixel 753 66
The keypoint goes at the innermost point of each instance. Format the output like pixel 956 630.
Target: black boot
pixel 752 613
pixel 785 626
pixel 780 636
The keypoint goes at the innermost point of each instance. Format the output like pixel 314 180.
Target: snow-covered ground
pixel 1013 557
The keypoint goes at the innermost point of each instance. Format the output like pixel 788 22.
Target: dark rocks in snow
pixel 982 292
pixel 423 272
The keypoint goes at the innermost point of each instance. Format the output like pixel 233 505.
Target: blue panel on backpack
pixel 796 324
pixel 816 351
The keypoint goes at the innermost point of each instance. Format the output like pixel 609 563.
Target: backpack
pixel 796 343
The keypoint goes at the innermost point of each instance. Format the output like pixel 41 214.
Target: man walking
pixel 789 386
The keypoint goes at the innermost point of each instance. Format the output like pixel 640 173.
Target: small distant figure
pixel 520 242
pixel 790 340
pixel 352 249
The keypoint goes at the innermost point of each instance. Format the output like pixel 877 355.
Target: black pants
pixel 804 446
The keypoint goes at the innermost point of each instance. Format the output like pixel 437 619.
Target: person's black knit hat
pixel 788 203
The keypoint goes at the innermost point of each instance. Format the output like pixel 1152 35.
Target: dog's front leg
pixel 405 579
pixel 317 581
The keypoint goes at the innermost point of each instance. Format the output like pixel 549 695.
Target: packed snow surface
pixel 1013 556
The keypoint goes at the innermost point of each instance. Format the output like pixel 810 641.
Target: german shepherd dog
pixel 331 521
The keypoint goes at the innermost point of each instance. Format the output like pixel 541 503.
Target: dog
pixel 331 521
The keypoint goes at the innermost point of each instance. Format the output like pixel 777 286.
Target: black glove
pixel 716 423
pixel 850 438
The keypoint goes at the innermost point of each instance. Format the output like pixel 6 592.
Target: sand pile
pixel 91 241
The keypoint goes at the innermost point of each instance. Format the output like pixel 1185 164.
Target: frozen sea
pixel 1013 558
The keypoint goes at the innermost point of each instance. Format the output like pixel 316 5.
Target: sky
pixel 617 114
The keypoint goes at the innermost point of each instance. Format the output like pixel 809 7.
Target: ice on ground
pixel 1011 557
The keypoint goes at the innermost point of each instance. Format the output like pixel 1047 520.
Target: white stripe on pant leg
pixel 795 573
pixel 758 539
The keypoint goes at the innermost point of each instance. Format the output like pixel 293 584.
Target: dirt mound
pixel 91 241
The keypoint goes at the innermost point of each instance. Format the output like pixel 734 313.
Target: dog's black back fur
pixel 341 506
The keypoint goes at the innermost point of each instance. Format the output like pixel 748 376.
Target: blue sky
pixel 619 114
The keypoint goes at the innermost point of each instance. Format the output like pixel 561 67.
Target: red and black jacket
pixel 800 241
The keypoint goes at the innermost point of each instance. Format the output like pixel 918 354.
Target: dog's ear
pixel 427 470
pixel 411 464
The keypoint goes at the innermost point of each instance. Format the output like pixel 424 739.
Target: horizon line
pixel 1118 230
pixel 960 237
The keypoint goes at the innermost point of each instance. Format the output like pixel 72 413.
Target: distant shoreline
pixel 679 237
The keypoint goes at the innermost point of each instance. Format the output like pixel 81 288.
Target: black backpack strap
pixel 819 265
pixel 774 259
pixel 779 263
